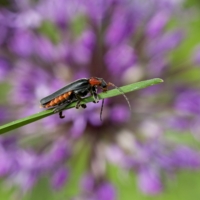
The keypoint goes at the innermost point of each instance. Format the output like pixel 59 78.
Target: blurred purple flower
pixel 102 191
pixel 59 178
pixel 4 115
pixel 44 49
pixel 166 43
pixel 188 102
pixel 3 32
pixel 22 43
pixel 59 12
pixel 25 180
pixel 157 23
pixel 106 192
pixel 59 152
pixel 111 40
pixel 120 114
pixel 156 66
pixel 28 18
pixel 120 28
pixel 6 164
pixel 87 183
pixel 23 167
pixel 149 181
pixel 120 58
pixel 28 77
pixel 187 158
pixel 82 49
pixel 179 122
pixel 5 67
pixel 96 10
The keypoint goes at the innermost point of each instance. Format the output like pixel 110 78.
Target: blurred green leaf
pixel 190 3
pixel 5 3
pixel 4 90
pixel 49 30
pixel 78 25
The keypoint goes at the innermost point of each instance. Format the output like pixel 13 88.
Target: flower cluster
pixel 50 43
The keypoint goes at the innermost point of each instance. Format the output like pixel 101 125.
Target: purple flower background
pixel 47 44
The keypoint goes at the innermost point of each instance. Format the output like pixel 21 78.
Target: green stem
pixel 111 93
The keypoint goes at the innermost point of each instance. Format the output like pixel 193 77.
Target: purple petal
pixel 22 43
pixel 166 161
pixel 157 23
pixel 186 158
pixel 4 115
pixel 60 151
pixel 151 128
pixel 115 155
pixel 120 28
pixel 57 155
pixel 8 142
pixel 25 179
pixel 96 9
pixel 80 54
pixel 5 67
pixel 88 39
pixel 120 58
pixel 59 178
pixel 26 86
pixel 149 181
pixel 82 49
pixel 157 66
pixel 29 18
pixel 87 183
pixel 44 49
pixel 26 160
pixel 120 114
pixel 78 127
pixel 3 34
pixel 151 90
pixel 188 101
pixel 94 118
pixel 59 12
pixel 6 163
pixel 106 192
pixel 178 122
pixel 164 44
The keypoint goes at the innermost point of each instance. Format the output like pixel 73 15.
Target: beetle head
pixel 104 85
pixel 95 81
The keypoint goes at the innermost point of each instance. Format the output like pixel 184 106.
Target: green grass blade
pixel 111 93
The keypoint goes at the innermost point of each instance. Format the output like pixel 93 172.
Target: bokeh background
pixel 149 153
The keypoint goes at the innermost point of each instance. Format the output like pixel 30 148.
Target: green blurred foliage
pixel 190 3
pixel 4 89
pixel 50 31
pixel 5 3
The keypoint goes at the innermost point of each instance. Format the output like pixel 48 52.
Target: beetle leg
pixel 79 99
pixel 60 107
pixel 83 106
pixel 60 115
pixel 93 92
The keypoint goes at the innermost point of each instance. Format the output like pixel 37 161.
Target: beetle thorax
pixel 95 81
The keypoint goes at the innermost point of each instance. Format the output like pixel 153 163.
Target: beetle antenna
pixel 111 84
pixel 101 109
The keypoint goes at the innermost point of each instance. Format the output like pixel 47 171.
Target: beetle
pixel 74 92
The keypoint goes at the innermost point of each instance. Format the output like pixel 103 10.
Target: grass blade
pixel 111 93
